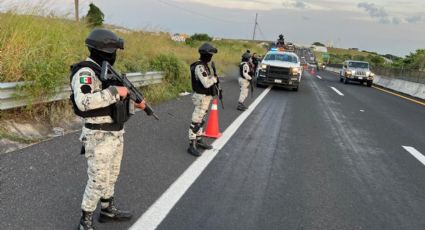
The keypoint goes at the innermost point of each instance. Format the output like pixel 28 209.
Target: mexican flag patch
pixel 85 80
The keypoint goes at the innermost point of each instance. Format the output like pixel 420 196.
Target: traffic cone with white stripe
pixel 213 130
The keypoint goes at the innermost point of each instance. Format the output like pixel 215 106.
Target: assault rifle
pixel 219 90
pixel 108 73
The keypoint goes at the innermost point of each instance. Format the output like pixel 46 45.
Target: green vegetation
pixel 318 44
pixel 39 51
pixel 201 37
pixel 95 16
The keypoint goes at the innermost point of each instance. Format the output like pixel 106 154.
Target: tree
pixel 376 60
pixel 95 16
pixel 201 37
pixel 318 44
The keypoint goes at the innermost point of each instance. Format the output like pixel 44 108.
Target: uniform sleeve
pixel 245 72
pixel 206 80
pixel 86 96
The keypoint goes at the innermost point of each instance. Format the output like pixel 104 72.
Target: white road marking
pixel 318 76
pixel 337 91
pixel 157 212
pixel 415 153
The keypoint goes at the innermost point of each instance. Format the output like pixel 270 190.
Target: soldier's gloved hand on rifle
pixel 122 91
pixel 141 105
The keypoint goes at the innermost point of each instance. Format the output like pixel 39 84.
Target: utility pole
pixel 255 26
pixel 77 17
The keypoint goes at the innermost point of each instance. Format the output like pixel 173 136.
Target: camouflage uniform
pixel 103 149
pixel 244 81
pixel 201 101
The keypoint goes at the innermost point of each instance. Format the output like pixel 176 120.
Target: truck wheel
pixel 295 89
pixel 369 83
pixel 346 80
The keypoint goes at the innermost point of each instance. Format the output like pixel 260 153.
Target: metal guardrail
pixel 9 98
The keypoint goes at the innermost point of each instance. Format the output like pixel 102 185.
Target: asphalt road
pixel 312 159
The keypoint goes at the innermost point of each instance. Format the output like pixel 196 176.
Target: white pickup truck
pixel 356 71
pixel 279 68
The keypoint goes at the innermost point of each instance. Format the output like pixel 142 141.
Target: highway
pixel 331 156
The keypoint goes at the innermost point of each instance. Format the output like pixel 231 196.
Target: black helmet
pixel 281 36
pixel 206 48
pixel 104 40
pixel 246 57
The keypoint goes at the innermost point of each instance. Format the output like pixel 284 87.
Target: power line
pixel 255 26
pixel 197 13
pixel 261 33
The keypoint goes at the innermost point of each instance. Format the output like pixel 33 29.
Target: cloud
pixel 415 19
pixel 295 4
pixel 396 20
pixel 379 13
pixel 373 10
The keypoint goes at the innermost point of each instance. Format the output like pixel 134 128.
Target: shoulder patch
pixel 85 80
pixel 201 68
pixel 85 73
pixel 85 89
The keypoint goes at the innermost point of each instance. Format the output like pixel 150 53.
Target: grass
pixel 39 50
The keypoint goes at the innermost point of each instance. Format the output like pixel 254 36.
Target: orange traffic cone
pixel 212 125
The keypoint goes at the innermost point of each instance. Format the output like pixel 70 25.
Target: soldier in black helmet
pixel 104 107
pixel 203 85
pixel 281 41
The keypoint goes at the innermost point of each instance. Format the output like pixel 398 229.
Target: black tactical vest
pixel 118 111
pixel 241 69
pixel 196 83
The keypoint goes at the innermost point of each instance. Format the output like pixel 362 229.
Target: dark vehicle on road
pixel 280 69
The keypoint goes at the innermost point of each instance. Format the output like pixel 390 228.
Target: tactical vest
pixel 241 69
pixel 197 84
pixel 118 111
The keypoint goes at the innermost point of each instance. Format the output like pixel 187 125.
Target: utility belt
pixel 212 91
pixel 105 126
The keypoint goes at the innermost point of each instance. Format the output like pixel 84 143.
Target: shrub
pixel 176 71
pixel 95 16
pixel 201 37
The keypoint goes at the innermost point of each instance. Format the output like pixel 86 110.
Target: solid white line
pixel 151 219
pixel 318 76
pixel 337 91
pixel 415 153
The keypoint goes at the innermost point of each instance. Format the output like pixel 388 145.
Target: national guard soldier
pixel 245 78
pixel 280 43
pixel 204 87
pixel 255 62
pixel 104 107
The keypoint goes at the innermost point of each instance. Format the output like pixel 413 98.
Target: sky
pixel 384 26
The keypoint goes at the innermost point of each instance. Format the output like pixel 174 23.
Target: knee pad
pixel 195 127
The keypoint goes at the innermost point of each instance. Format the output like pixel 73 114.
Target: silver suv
pixel 356 71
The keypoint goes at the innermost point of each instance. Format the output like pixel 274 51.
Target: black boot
pixel 192 149
pixel 204 145
pixel 109 212
pixel 241 107
pixel 86 221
